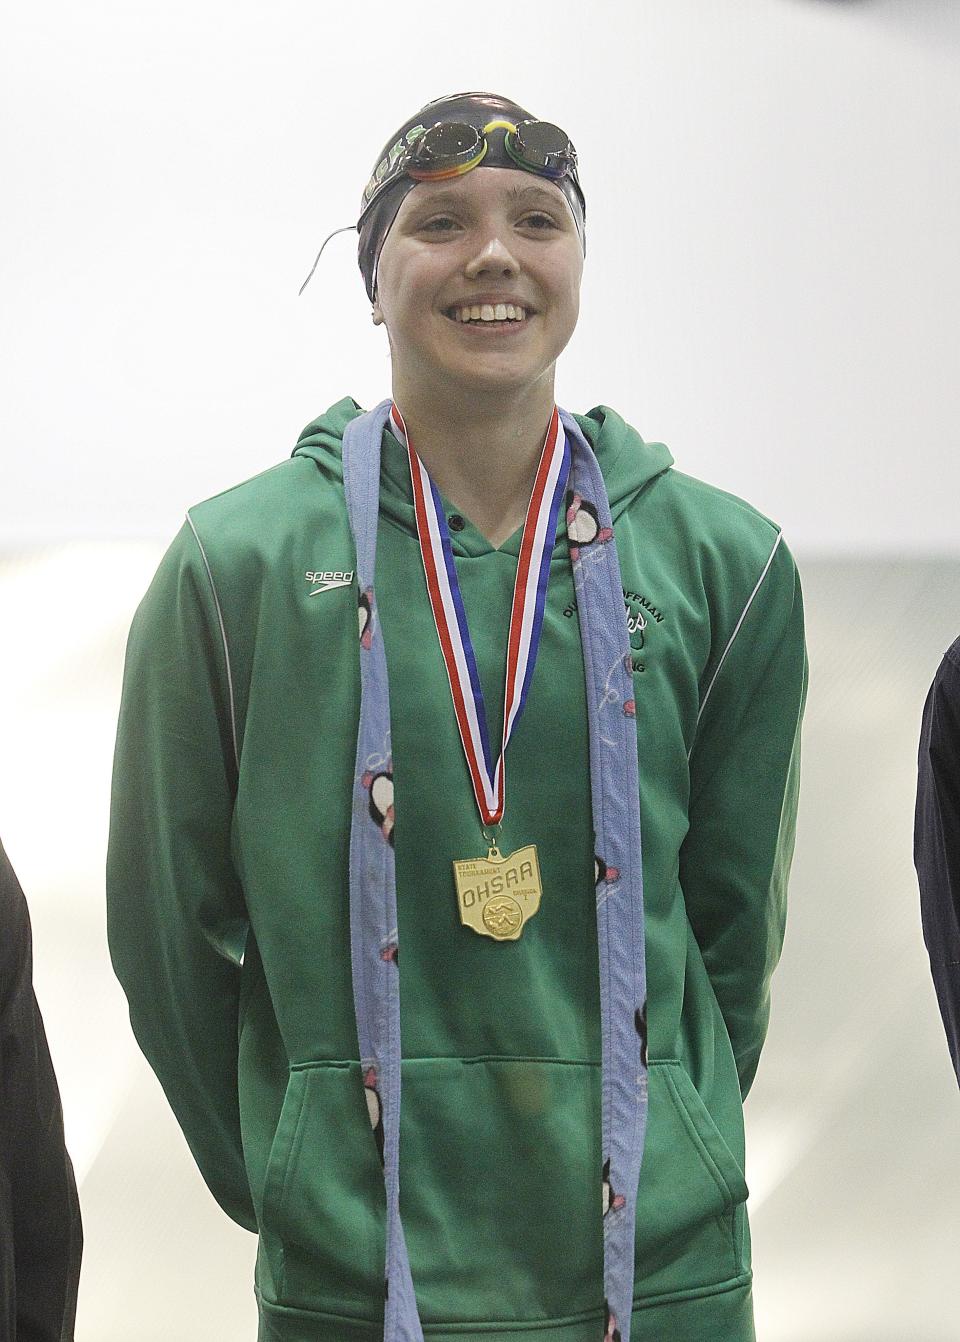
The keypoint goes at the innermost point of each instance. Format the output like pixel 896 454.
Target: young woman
pixel 562 641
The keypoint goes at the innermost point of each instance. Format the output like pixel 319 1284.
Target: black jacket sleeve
pixel 40 1232
pixel 936 845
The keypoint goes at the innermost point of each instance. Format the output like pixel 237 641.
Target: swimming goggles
pixel 454 147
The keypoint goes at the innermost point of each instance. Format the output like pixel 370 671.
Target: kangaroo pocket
pixel 323 1219
pixel 501 1192
pixel 690 1214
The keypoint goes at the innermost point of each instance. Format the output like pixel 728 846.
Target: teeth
pixel 488 312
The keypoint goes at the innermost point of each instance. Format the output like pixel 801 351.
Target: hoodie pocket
pixel 500 1191
pixel 691 1192
pixel 323 1223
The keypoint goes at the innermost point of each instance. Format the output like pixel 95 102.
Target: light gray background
pixel 771 287
pixel 773 192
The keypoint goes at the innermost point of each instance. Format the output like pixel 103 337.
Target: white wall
pixel 772 277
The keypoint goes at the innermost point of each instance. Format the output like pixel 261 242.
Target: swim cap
pixel 389 183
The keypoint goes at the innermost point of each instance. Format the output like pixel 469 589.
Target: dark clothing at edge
pixel 41 1239
pixel 936 843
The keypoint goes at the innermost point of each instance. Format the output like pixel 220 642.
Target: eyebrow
pixel 514 194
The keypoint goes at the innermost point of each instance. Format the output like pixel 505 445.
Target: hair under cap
pixel 379 205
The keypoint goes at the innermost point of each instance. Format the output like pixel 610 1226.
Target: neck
pixel 482 456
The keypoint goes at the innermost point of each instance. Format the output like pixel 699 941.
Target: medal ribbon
pixel 526 615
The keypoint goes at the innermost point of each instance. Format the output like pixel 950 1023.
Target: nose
pixel 493 258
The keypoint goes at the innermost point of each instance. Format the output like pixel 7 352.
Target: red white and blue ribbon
pixel 526 616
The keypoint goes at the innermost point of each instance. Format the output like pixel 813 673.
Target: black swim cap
pixel 389 184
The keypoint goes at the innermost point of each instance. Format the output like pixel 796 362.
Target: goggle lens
pixel 540 146
pixel 446 151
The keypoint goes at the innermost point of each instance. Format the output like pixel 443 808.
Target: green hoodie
pixel 229 912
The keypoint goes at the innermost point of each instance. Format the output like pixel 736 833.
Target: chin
pixel 505 380
pixel 494 365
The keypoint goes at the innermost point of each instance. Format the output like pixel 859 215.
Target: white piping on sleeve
pixel 743 616
pixel 223 635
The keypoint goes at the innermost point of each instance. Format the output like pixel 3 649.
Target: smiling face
pixel 494 236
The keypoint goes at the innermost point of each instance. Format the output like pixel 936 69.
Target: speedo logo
pixel 328 579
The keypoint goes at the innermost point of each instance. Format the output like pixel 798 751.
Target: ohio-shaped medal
pixel 497 895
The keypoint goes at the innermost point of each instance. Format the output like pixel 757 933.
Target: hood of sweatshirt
pixel 628 464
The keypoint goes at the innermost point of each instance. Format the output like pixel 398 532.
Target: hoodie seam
pixel 739 624
pixel 223 636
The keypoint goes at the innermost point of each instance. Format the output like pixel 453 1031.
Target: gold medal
pixel 497 895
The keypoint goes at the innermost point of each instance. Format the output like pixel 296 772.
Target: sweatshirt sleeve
pixel 41 1237
pixel 176 918
pixel 744 781
pixel 936 846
